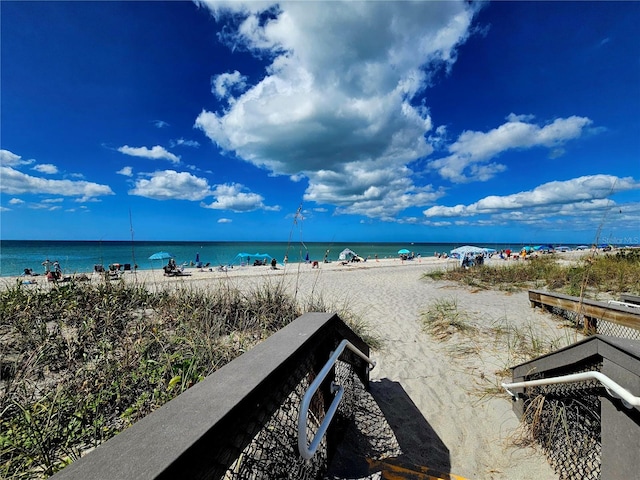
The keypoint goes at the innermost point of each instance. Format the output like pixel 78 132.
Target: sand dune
pixel 432 391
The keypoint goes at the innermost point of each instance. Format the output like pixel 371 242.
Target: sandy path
pixel 429 394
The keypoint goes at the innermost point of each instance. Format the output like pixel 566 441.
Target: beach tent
pixel 347 254
pixel 250 257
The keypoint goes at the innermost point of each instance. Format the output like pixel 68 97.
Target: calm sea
pixel 81 256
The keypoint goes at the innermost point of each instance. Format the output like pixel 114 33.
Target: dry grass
pixel 593 274
pixel 81 362
pixel 443 319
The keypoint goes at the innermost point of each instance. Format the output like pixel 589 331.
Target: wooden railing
pixel 590 309
pixel 208 431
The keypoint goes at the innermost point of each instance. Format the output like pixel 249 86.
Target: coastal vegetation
pixel 590 276
pixel 81 362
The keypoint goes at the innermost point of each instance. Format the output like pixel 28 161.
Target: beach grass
pixel 81 362
pixel 590 276
pixel 443 319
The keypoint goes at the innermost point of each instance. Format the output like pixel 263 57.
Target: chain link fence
pixel 616 330
pixel 599 326
pixel 564 419
pixel 265 445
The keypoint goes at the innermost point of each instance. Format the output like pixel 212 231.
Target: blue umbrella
pixel 161 256
pixel 403 251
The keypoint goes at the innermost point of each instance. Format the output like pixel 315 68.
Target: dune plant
pixel 443 319
pixel 81 362
pixel 589 276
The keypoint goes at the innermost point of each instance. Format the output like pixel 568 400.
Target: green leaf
pixel 174 381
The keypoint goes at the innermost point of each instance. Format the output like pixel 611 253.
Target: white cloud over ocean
pixel 335 104
pixel 563 197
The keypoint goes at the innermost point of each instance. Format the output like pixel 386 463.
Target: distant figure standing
pixel 286 259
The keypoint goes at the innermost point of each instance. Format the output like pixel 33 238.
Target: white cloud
pixel 172 185
pixel 10 159
pixel 226 83
pixel 15 183
pixel 234 197
pixel 46 168
pixel 160 124
pixel 155 153
pixel 564 196
pixel 336 99
pixel 471 152
pixel 126 171
pixel 375 193
pixel 183 142
pixel 16 201
pixel 225 220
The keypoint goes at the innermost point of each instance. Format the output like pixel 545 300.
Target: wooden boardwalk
pixel 591 310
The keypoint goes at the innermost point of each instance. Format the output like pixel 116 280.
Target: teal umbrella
pixel 161 256
pixel 403 251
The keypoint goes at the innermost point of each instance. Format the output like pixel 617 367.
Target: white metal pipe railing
pixel 307 451
pixel 615 390
pixel 623 304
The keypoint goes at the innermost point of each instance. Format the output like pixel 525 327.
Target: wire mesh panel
pixel 616 330
pixel 270 439
pixel 600 326
pixel 565 420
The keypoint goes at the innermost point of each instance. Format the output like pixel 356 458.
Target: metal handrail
pixel 307 451
pixel 628 399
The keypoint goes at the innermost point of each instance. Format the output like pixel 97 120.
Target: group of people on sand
pixel 172 270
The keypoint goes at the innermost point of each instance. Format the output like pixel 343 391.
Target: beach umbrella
pixel 462 251
pixel 161 256
pixel 403 251
pixel 346 254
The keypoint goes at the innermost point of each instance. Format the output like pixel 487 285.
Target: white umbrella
pixel 462 251
pixel 347 254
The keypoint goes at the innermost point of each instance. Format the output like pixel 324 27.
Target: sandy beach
pixel 445 381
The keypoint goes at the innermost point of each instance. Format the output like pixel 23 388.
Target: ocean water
pixel 81 256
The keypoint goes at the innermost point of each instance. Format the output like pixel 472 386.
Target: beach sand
pixel 433 392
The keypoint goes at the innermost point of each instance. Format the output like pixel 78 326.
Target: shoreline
pixel 156 276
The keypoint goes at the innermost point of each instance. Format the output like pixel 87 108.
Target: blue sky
pixel 376 121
